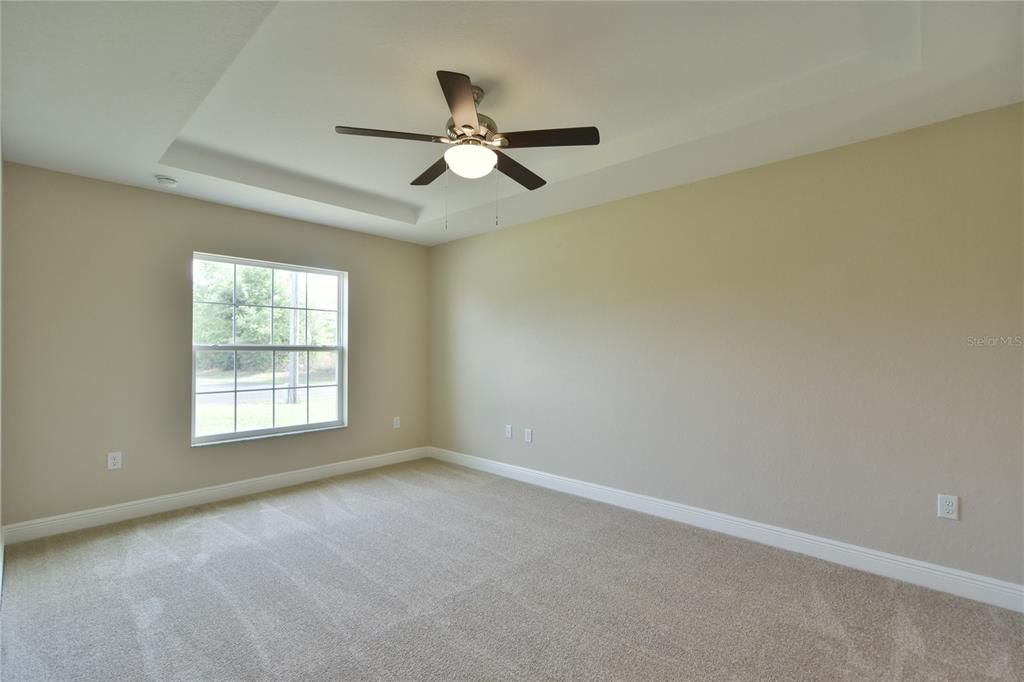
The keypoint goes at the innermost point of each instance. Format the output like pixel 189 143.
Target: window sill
pixel 262 436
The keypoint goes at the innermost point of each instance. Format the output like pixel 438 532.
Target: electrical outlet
pixel 115 460
pixel 528 435
pixel 396 422
pixel 949 507
pixel 508 432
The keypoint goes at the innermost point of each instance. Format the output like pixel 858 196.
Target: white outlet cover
pixel 528 435
pixel 396 423
pixel 115 460
pixel 508 431
pixel 949 507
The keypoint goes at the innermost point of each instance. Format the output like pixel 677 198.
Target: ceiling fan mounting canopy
pixel 479 135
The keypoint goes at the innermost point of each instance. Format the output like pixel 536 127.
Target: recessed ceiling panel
pixel 628 68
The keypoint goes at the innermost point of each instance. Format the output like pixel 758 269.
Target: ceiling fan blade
pixel 459 95
pixel 371 132
pixel 553 137
pixel 432 173
pixel 518 172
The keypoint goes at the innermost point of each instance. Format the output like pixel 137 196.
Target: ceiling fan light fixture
pixel 470 160
pixel 473 139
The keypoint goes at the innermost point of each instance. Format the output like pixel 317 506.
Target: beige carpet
pixel 429 571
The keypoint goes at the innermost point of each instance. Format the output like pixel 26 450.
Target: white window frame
pixel 341 348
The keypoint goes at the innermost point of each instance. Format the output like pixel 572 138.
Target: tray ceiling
pixel 238 100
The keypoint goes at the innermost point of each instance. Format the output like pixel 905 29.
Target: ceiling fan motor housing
pixel 488 128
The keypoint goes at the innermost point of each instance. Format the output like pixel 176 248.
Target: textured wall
pixel 788 344
pixel 97 342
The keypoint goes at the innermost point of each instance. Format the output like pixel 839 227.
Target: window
pixel 268 349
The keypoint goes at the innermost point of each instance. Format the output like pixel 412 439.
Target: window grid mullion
pixel 234 394
pixel 234 304
pixel 260 348
pixel 264 389
pixel 259 305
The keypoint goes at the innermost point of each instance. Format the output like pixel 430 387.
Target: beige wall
pixel 787 344
pixel 96 342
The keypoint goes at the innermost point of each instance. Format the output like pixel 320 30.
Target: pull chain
pixel 446 197
pixel 495 198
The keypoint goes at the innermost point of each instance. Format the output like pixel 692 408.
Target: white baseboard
pixel 953 581
pixel 63 523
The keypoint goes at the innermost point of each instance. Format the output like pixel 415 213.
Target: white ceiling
pixel 239 100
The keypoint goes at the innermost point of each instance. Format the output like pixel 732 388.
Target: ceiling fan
pixel 474 142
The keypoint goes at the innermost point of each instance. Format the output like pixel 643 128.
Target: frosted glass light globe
pixel 470 160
